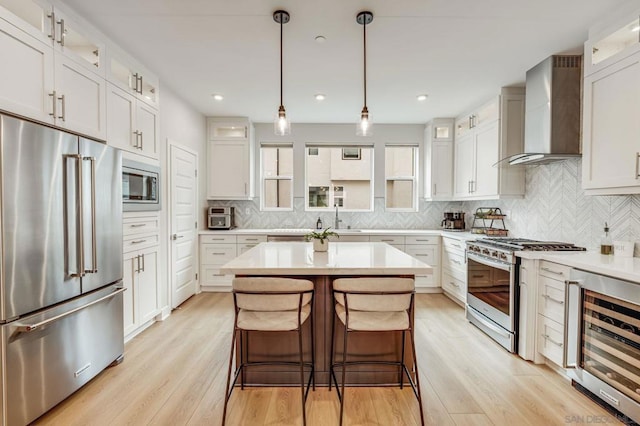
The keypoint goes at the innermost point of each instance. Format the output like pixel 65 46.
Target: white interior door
pixel 184 207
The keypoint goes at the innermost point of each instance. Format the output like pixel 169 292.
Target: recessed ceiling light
pixel 320 39
pixel 320 97
pixel 217 97
pixel 422 97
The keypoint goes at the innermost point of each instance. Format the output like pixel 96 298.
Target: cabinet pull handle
pixel 52 20
pixel 477 276
pixel 454 284
pixel 141 140
pixel 63 103
pixel 54 98
pixel 63 32
pixel 457 261
pixel 252 239
pixel 143 263
pixel 551 271
pixel 218 254
pixel 138 241
pixel 637 161
pixel 140 86
pixel 548 338
pixel 135 82
pixel 137 225
pixel 546 296
pixel 138 260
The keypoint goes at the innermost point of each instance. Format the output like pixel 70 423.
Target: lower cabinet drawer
pixel 217 254
pixel 454 286
pixel 424 253
pixel 211 276
pixel 551 300
pixel 550 339
pixel 140 242
pixel 452 244
pixel 428 281
pixel 453 260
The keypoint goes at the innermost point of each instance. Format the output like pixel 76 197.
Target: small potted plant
pixel 319 238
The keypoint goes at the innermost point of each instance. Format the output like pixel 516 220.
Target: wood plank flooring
pixel 174 374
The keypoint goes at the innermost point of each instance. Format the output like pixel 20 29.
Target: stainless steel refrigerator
pixel 60 266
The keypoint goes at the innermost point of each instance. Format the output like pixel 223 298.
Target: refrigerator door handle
pixel 78 215
pixel 94 254
pixel 27 328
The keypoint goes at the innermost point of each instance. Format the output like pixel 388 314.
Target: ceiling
pixel 459 52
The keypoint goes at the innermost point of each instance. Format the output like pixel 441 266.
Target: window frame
pixel 331 192
pixel 402 178
pixel 277 178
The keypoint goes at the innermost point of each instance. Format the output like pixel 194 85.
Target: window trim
pixel 415 179
pixel 331 196
pixel 264 179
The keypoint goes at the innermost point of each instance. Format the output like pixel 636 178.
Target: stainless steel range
pixel 492 290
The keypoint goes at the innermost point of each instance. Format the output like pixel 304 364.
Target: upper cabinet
pixel 487 134
pixel 611 129
pixel 130 76
pixel 230 159
pixel 56 73
pixel 438 144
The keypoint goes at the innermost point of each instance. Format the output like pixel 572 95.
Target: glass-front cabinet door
pixel 33 16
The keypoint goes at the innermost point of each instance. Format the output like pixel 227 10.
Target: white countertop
pixel 625 268
pixel 299 231
pixel 298 258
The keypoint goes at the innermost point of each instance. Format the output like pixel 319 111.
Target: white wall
pixel 179 124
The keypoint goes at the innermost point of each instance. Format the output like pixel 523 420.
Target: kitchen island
pixel 298 260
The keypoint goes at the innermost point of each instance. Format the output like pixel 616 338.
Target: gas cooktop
pixel 518 244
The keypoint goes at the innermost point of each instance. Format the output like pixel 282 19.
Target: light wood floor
pixel 174 374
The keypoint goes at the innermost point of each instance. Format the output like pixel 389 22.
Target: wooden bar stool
pixel 374 305
pixel 270 304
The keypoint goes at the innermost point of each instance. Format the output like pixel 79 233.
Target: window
pixel 277 177
pixel 339 176
pixel 400 177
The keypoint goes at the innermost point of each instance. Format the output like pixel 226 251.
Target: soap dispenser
pixel 606 245
pixel 319 223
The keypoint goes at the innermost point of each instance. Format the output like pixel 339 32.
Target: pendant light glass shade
pixel 363 127
pixel 281 125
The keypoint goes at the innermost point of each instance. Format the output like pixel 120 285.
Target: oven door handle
pixel 572 324
pixel 494 264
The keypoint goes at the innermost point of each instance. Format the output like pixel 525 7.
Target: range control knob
pixel 503 256
pixel 485 251
pixel 494 254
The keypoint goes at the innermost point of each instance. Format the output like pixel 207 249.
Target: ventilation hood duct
pixel 552 111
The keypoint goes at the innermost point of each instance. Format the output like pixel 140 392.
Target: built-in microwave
pixel 140 186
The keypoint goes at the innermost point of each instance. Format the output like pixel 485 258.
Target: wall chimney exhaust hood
pixel 552 111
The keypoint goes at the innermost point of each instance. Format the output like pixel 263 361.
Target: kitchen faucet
pixel 337 221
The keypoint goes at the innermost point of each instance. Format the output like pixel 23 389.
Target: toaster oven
pixel 220 218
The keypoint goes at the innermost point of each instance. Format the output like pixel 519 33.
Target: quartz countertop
pixel 302 231
pixel 298 258
pixel 625 268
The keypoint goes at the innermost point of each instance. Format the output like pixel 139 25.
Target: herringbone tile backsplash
pixel 554 208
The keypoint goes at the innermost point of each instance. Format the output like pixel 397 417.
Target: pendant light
pixel 281 126
pixel 364 124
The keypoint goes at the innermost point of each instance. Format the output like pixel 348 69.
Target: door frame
pixel 170 145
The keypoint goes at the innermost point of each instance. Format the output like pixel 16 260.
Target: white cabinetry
pixel 126 73
pixel 611 129
pixel 230 155
pixel 427 250
pixel 454 269
pixel 551 299
pixel 490 133
pixel 215 251
pixel 141 234
pixel 55 74
pixel 438 139
pixel 132 124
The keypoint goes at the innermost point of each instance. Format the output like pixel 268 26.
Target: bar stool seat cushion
pixel 373 321
pixel 272 320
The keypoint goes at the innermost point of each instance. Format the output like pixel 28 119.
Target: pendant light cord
pixel 281 32
pixel 365 61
